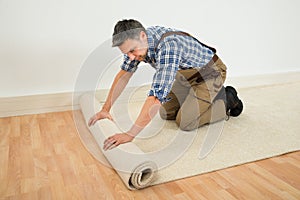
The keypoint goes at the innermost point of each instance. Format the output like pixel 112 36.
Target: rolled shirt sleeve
pixel 129 65
pixel 168 59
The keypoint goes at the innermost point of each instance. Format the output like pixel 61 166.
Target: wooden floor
pixel 41 157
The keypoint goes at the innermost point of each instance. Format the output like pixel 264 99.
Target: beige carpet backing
pixel 269 126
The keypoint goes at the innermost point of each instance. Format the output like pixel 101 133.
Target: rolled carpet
pixel 134 167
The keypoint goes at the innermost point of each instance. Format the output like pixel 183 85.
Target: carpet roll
pixel 135 169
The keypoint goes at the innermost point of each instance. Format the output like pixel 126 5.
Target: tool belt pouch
pixel 209 71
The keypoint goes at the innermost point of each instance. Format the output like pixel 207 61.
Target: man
pixel 187 85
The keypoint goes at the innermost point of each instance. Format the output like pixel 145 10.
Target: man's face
pixel 136 49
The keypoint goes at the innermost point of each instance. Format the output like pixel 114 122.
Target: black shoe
pixel 234 106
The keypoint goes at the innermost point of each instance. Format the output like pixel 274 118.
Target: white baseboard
pixel 34 104
pixel 263 79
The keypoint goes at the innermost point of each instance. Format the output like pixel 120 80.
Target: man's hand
pixel 117 139
pixel 100 115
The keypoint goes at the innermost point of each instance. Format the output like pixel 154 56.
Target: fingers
pixel 110 143
pixel 92 121
pixel 114 145
pixel 115 140
pixel 110 118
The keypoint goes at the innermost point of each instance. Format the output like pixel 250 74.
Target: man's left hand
pixel 117 139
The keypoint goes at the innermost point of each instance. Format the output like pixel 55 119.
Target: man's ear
pixel 143 36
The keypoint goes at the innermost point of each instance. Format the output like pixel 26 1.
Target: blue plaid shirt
pixel 173 52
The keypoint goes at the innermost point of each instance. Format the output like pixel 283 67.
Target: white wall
pixel 43 43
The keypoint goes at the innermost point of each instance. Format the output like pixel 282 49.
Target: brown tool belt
pixel 206 72
pixel 184 34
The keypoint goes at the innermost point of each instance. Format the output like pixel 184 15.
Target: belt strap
pixel 184 34
pixel 206 72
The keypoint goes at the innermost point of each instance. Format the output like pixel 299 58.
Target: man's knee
pixel 187 125
pixel 163 113
pixel 167 115
pixel 169 110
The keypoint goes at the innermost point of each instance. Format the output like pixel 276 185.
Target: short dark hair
pixel 126 29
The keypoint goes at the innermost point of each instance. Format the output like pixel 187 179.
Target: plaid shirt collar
pixel 150 51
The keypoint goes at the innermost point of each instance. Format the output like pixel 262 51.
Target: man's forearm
pixel 149 110
pixel 116 89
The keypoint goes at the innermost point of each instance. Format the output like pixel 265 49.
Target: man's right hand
pixel 99 115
